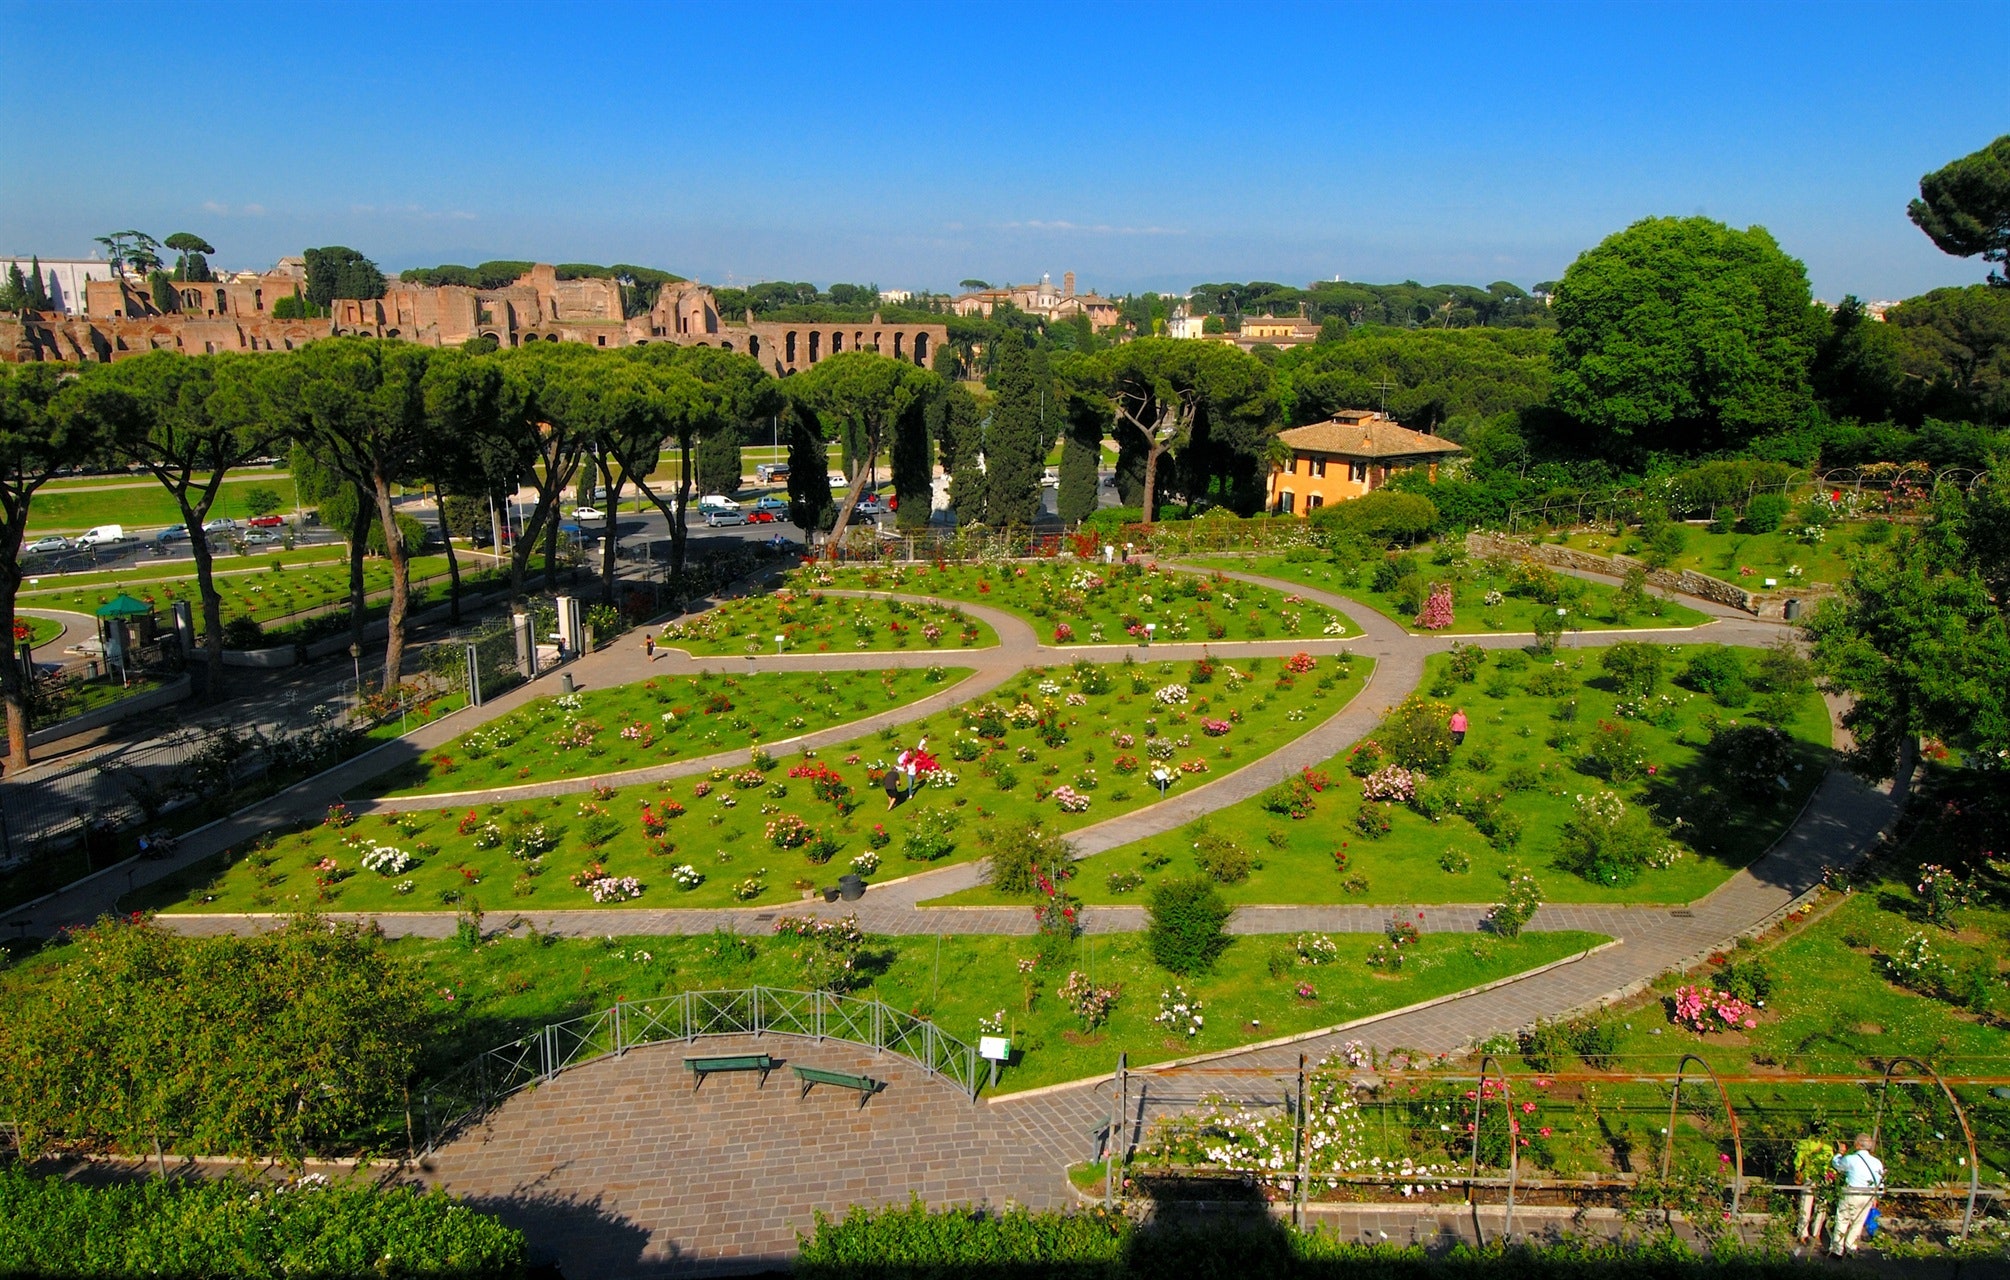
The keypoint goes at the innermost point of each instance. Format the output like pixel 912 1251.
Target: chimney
pixel 1068 285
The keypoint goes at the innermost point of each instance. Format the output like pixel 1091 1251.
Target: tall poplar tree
pixel 1012 444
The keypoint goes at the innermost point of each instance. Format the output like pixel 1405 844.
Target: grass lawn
pixel 1534 764
pixel 656 721
pixel 1082 603
pixel 1074 736
pixel 281 584
pixel 40 631
pixel 1748 559
pixel 819 623
pixel 1522 595
pixel 143 506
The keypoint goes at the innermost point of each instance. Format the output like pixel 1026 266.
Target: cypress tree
pixel 1081 454
pixel 1012 449
pixel 36 291
pixel 962 438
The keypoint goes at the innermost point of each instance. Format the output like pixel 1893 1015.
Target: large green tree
pixel 340 272
pixel 1161 389
pixel 702 393
pixel 190 262
pixel 1088 417
pixel 864 398
pixel 1965 207
pixel 1013 449
pixel 1953 346
pixel 1918 637
pixel 467 450
pixel 36 440
pixel 1684 334
pixel 959 437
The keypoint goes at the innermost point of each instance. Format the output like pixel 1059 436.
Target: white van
pixel 104 533
pixel 716 502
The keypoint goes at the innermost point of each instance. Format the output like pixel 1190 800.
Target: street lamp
pixel 356 659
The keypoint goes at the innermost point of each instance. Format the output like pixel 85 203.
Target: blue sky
pixel 1142 146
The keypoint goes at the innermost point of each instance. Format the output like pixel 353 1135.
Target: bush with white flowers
pixel 388 861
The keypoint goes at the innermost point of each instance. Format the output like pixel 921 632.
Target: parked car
pixel 837 480
pixel 717 502
pixel 266 522
pixel 50 543
pixel 769 472
pixel 587 513
pixel 871 505
pixel 103 535
pixel 716 517
pixel 779 506
pixel 1051 478
pixel 759 516
pixel 262 537
pixel 222 524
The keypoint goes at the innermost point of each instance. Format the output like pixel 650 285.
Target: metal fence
pixel 483 1084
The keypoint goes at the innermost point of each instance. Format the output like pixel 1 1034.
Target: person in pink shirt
pixel 1459 727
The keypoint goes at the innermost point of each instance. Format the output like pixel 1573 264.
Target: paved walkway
pixel 619 1168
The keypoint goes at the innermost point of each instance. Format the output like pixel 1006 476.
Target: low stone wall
pixel 264 659
pixel 1687 582
pixel 111 713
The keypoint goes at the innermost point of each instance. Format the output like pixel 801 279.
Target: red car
pixel 265 522
pixel 760 517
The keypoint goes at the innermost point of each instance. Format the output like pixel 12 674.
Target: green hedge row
pixel 235 1227
pixel 918 1243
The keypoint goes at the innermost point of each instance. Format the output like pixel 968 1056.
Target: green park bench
pixel 811 1076
pixel 702 1067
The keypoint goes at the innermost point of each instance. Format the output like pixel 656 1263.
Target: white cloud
pixel 222 210
pixel 1100 229
pixel 411 213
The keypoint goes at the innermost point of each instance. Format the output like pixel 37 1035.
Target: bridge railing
pixel 481 1085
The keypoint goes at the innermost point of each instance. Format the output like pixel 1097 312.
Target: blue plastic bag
pixel 1870 1222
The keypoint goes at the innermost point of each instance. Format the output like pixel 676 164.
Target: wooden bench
pixel 702 1067
pixel 811 1076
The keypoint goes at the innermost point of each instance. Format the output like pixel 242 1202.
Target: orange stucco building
pixel 1352 453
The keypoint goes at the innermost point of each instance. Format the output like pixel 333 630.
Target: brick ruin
pixel 236 315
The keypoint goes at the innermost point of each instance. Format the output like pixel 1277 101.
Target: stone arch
pixel 898 354
pixel 392 333
pixel 754 345
pixel 789 347
pixel 858 341
pixel 921 349
pixel 222 304
pixel 816 344
pixel 725 344
pixel 837 341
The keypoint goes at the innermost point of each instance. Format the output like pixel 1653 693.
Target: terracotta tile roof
pixel 1374 437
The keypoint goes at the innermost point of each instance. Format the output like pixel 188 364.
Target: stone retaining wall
pixel 1687 582
pixel 111 713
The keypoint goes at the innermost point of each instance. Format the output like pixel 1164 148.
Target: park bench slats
pixel 702 1067
pixel 812 1076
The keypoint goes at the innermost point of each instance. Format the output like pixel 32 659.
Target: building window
pixel 1313 502
pixel 1357 472
pixel 599 339
pixel 1318 466
pixel 1285 502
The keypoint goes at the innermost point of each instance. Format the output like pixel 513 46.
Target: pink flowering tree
pixel 1437 611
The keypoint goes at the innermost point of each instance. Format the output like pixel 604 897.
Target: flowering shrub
pixel 1063 633
pixel 750 888
pixel 1916 965
pixel 830 951
pixel 865 863
pixel 1262 1141
pixel 1372 821
pixel 1436 614
pixel 686 876
pixel 1180 1013
pixel 1518 903
pixel 1300 663
pixel 1703 1010
pixel 1070 800
pixel 388 861
pixel 1215 728
pixel 468 825
pixel 1391 782
pixel 1170 696
pixel 1399 936
pixel 1125 764
pixel 932 836
pixel 1605 841
pixel 1193 766
pixel 338 816
pixel 825 783
pixel 1306 991
pixel 1090 1003
pixel 789 832
pixel 1316 948
pixel 1941 890
pixel 615 888
pixel 877 838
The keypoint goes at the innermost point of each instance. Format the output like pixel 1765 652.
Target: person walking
pixel 1863 1177
pixel 1458 726
pixel 1817 1194
pixel 649 646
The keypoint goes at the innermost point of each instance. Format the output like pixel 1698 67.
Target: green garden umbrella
pixel 124 606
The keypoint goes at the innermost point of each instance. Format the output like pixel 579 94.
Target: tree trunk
pixel 13 682
pixel 401 583
pixel 856 492
pixel 453 564
pixel 1152 451
pixel 359 543
pixel 609 523
pixel 212 603
pixel 678 534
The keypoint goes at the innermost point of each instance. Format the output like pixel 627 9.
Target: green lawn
pixel 656 721
pixel 143 506
pixel 1749 559
pixel 820 623
pixel 1519 752
pixel 1083 603
pixel 1522 595
pixel 281 585
pixel 40 631
pixel 1022 752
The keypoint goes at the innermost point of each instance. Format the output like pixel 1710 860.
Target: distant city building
pixel 1352 453
pixel 1282 332
pixel 63 278
pixel 1182 324
pixel 896 296
pixel 234 313
pixel 1041 300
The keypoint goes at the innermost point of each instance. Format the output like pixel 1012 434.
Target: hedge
pixel 194 1228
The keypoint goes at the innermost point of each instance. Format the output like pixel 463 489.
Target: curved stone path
pixel 619 1168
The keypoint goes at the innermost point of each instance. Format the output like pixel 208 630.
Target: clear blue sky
pixel 1143 146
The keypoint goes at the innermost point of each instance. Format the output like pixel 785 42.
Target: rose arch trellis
pixel 1897 485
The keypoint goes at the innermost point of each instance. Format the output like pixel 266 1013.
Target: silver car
pixel 715 518
pixel 50 543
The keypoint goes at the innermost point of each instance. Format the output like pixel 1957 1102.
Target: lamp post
pixel 356 659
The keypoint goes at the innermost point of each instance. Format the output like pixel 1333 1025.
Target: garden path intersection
pixel 618 1167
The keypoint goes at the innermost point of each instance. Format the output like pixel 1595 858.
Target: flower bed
pixel 1077 603
pixel 814 622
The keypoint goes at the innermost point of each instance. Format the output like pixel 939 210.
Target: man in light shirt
pixel 1863 1178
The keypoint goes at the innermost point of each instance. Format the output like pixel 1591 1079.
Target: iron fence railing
pixel 476 1088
